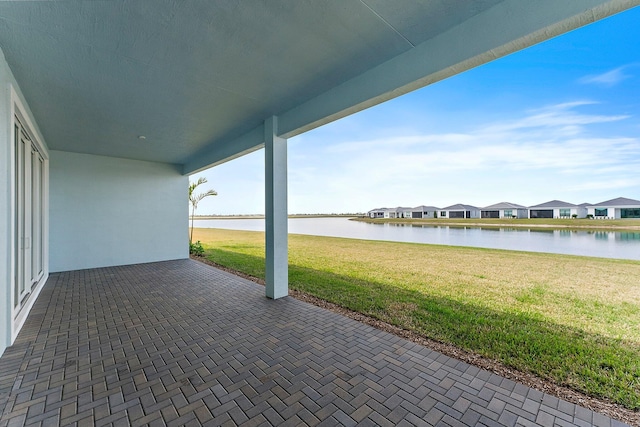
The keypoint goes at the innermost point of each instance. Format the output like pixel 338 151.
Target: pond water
pixel 604 244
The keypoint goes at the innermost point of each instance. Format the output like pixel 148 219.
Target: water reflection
pixel 606 244
pixel 627 236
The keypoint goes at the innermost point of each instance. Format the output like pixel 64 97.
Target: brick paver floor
pixel 182 343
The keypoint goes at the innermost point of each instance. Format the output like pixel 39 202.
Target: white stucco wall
pixel 107 211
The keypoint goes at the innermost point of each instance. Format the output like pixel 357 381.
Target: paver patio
pixel 182 343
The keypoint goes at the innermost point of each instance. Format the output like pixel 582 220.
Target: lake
pixel 604 244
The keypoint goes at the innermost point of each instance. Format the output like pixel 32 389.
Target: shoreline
pixel 262 216
pixel 582 225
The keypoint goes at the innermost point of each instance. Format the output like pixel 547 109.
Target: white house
pixel 424 212
pixel 620 208
pixel 504 210
pixel 107 107
pixel 376 213
pixel 459 211
pixel 389 213
pixel 404 212
pixel 557 209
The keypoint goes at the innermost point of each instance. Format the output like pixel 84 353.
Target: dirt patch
pixel 598 405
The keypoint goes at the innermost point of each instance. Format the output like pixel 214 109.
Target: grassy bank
pixel 573 320
pixel 582 224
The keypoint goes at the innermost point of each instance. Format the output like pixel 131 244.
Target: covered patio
pixel 107 107
pixel 182 343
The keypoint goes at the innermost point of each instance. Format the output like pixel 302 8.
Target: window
pixel 489 214
pixel 443 213
pixel 630 213
pixel 565 212
pixel 29 244
pixel 508 213
pixel 601 212
pixel 541 213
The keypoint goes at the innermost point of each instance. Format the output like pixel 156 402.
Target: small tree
pixel 194 199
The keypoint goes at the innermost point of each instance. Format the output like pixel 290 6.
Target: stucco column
pixel 277 263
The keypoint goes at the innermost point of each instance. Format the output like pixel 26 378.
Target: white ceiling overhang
pixel 198 78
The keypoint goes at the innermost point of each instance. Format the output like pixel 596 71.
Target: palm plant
pixel 194 199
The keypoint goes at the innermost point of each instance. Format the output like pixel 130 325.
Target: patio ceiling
pixel 198 78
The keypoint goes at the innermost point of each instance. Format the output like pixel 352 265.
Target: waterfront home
pixel 504 210
pixel 619 208
pixel 557 209
pixel 402 212
pixel 389 213
pixel 459 211
pixel 424 212
pixel 376 213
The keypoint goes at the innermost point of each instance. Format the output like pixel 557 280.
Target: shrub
pixel 196 248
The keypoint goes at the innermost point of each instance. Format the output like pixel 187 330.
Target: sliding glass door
pixel 29 219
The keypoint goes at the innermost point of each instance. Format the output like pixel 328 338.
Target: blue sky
pixel 559 120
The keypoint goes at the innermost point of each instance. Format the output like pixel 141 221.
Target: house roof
pixel 423 208
pixel 554 204
pixel 505 205
pixel 620 201
pixel 199 78
pixel 459 206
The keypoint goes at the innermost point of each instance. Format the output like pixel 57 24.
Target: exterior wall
pixel 519 213
pixel 10 94
pixel 106 211
pixel 421 214
pixel 613 213
pixel 580 212
pixel 5 211
pixel 592 211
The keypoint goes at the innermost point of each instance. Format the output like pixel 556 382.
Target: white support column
pixel 277 262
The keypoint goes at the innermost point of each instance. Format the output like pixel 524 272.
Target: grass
pixel 572 320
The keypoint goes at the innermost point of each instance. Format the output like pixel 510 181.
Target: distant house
pixel 376 213
pixel 402 212
pixel 399 212
pixel 504 210
pixel 424 212
pixel 459 211
pixel 620 208
pixel 389 213
pixel 557 209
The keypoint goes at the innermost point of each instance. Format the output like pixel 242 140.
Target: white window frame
pixel 18 110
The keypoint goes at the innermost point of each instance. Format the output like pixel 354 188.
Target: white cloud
pixel 614 184
pixel 548 153
pixel 607 79
pixel 555 152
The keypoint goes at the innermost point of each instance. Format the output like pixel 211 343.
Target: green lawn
pixel 573 320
